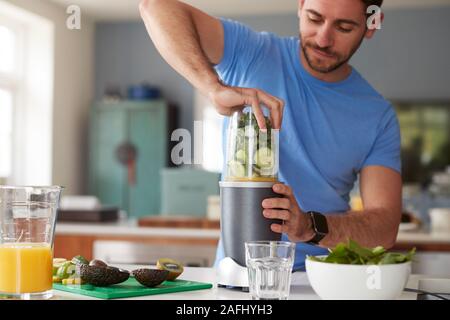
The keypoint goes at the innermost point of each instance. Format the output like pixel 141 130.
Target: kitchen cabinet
pixel 129 145
pixel 127 242
pixel 144 249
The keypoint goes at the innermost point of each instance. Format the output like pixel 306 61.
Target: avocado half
pixel 174 267
pixel 150 277
pixel 102 276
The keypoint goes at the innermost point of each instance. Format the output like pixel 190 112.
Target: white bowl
pixel 357 282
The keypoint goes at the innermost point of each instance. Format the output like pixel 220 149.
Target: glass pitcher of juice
pixel 252 154
pixel 27 225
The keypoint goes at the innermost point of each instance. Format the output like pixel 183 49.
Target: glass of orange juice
pixel 27 224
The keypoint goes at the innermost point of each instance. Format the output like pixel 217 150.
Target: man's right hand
pixel 227 100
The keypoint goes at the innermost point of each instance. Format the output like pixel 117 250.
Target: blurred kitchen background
pixel 94 109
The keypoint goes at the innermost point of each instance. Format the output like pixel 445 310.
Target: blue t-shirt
pixel 330 131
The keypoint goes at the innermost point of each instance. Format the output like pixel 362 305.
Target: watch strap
pixel 319 225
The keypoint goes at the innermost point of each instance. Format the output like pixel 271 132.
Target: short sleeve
pixel 386 149
pixel 242 46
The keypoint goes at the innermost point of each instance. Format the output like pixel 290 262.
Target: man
pixel 335 125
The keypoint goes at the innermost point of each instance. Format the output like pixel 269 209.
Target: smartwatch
pixel 319 225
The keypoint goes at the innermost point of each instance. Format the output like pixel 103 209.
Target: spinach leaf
pixel 353 253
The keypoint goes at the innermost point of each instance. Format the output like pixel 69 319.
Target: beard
pixel 320 65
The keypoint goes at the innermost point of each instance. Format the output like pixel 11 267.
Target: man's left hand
pixel 296 224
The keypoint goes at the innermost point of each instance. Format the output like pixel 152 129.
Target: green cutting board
pixel 131 288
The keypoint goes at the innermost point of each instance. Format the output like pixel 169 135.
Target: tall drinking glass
pixel 269 265
pixel 27 226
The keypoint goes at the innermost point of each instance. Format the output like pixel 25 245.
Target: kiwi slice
pixel 174 267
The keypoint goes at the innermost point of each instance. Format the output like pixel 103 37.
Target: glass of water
pixel 269 265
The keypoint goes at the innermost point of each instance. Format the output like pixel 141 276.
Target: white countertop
pixel 131 228
pixel 300 288
pixel 423 237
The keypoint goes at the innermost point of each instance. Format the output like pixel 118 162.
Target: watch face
pixel 319 223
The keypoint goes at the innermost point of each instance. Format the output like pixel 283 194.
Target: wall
pixel 73 92
pixel 406 60
pixel 124 55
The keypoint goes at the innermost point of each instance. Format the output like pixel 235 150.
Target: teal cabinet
pixel 128 148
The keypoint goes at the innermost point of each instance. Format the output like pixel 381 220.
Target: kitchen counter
pixel 131 228
pixel 300 288
pixel 424 237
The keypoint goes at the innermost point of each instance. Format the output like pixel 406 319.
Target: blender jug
pixel 251 170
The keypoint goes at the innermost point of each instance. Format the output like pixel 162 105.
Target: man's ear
pixel 373 24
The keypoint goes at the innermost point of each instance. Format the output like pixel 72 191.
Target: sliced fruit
pixel 56 279
pixel 267 172
pixel 66 270
pixel 150 277
pixel 236 169
pixel 79 260
pixel 241 156
pixel 72 281
pixel 68 281
pixel 264 158
pixel 174 267
pixel 256 170
pixel 57 262
pixel 102 276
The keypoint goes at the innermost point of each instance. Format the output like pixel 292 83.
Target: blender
pixel 252 162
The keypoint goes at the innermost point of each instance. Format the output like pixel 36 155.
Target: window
pixel 8 75
pixel 7 54
pixel 212 134
pixel 26 93
pixel 425 131
pixel 5 132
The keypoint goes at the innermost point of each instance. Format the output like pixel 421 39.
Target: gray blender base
pixel 242 220
pixel 241 216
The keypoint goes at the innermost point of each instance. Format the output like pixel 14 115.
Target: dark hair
pixel 373 2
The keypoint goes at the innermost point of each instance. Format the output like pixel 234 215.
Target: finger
pixel 282 189
pixel 281 111
pixel 272 104
pixel 284 215
pixel 278 228
pixel 276 203
pixel 250 96
pixel 275 108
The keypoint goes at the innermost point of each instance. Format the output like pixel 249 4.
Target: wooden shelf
pixel 179 222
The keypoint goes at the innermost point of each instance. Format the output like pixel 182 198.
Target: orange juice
pixel 25 268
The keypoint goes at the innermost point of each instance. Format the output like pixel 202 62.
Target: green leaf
pixel 364 253
pixel 354 253
pixel 378 250
pixel 411 254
